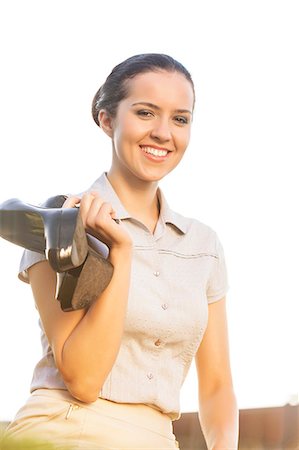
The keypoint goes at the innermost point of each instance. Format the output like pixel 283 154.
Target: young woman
pixel 111 374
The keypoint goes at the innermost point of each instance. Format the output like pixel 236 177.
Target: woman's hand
pixel 98 219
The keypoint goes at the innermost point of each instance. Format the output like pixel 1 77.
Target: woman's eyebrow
pixel 152 105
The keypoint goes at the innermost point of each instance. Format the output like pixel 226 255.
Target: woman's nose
pixel 161 131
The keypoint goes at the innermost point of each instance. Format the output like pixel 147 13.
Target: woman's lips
pixel 154 154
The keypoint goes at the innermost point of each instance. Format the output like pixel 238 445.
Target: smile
pixel 154 151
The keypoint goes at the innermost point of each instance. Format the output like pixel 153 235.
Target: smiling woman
pixel 111 373
pixel 155 118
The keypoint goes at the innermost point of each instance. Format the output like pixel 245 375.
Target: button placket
pixel 156 271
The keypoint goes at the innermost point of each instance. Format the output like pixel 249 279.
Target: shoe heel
pixel 79 287
pixel 66 240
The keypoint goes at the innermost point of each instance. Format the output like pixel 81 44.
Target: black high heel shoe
pixel 57 232
pixel 83 274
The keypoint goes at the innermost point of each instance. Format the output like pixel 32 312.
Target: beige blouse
pixel 176 272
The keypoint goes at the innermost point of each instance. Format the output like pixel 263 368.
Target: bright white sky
pixel 239 175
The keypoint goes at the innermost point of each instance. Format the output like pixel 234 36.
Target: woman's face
pixel 151 130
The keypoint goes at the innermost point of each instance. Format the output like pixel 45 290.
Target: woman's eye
pixel 182 120
pixel 144 113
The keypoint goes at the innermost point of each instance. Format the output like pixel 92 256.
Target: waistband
pixel 136 413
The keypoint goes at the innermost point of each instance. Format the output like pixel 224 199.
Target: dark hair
pixel 115 88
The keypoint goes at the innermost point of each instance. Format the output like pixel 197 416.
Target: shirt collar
pixel 105 189
pixel 170 216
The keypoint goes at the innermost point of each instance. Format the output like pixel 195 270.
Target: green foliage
pixel 9 443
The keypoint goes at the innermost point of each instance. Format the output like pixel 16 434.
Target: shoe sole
pixel 80 287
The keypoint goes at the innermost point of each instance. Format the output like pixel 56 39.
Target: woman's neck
pixel 138 197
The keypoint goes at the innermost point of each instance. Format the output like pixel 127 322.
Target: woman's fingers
pixel 98 218
pixel 85 206
pixel 90 204
pixel 94 213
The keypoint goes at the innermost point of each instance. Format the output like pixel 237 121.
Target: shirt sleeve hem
pixel 218 296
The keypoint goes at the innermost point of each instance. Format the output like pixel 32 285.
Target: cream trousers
pixel 53 415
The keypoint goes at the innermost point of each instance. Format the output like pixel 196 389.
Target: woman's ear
pixel 105 121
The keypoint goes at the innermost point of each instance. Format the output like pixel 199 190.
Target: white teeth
pixel 154 151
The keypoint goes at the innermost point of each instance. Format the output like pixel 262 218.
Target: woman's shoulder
pixel 192 224
pixel 196 232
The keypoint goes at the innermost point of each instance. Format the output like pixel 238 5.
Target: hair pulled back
pixel 115 88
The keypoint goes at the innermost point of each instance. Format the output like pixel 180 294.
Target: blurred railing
pixel 260 429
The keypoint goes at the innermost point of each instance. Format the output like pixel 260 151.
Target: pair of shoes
pixel 59 234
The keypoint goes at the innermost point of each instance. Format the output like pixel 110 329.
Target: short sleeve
pixel 29 258
pixel 218 280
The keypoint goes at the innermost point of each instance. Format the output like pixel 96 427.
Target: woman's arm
pixel 218 412
pixel 85 343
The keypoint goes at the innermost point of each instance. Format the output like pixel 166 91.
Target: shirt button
pixel 157 273
pixel 150 376
pixel 164 306
pixel 158 342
